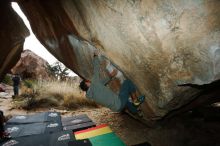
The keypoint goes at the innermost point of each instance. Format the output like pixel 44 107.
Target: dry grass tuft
pixel 74 102
pixel 47 94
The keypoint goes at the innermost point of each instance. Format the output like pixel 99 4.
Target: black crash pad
pixel 52 127
pixel 79 126
pixel 20 130
pixel 36 118
pixel 34 140
pixel 53 117
pixel 61 138
pixel 55 139
pixel 84 142
pixel 67 121
pixel 25 129
pixel 143 144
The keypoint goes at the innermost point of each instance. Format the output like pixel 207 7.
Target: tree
pixel 58 70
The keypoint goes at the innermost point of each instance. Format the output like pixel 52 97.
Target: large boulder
pixel 158 44
pixel 12 36
pixel 31 66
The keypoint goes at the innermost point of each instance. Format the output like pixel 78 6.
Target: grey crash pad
pixel 56 139
pixel 20 130
pixel 35 118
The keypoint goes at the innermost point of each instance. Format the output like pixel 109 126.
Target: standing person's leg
pixel 15 90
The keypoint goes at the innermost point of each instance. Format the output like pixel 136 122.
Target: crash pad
pixel 53 117
pixel 35 118
pixel 61 138
pixel 67 121
pixel 109 139
pixel 52 127
pixel 19 130
pixel 80 126
pixel 25 129
pixel 84 142
pixel 92 132
pixel 143 144
pixel 56 139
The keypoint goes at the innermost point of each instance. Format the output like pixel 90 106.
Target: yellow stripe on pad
pixel 92 132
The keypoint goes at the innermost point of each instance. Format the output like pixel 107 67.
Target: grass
pixel 74 102
pixel 47 94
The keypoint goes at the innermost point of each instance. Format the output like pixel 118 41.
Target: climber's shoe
pixel 139 100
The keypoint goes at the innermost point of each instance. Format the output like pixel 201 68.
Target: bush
pixel 28 83
pixel 7 80
pixel 47 94
pixel 34 103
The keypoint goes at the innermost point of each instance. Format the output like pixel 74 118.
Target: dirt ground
pixel 186 130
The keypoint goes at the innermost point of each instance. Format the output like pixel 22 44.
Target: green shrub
pixel 7 80
pixel 29 83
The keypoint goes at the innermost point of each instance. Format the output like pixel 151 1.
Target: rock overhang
pixel 159 45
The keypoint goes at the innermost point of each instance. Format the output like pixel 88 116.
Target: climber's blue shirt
pixel 100 93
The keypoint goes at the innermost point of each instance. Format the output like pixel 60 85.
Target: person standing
pixel 16 83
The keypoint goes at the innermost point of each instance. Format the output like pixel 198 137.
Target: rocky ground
pixel 187 130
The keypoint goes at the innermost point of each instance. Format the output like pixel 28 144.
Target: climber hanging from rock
pixel 96 89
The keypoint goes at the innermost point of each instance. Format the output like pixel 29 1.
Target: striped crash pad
pixel 36 118
pixel 99 136
pixel 109 139
pixel 56 139
pixel 92 132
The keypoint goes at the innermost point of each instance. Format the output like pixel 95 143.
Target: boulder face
pixel 31 65
pixel 12 36
pixel 158 44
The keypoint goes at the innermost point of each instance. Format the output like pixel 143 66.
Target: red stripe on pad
pixel 91 129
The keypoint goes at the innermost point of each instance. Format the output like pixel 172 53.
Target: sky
pixel 32 42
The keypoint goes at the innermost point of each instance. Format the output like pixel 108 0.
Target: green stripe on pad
pixel 109 139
